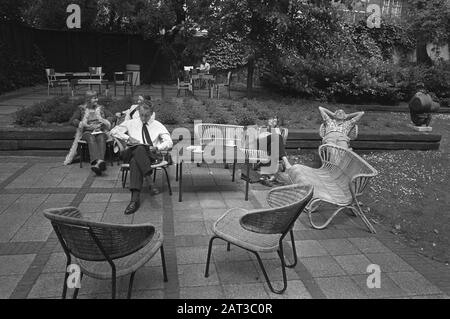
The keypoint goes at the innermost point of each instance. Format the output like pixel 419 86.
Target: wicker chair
pixel 263 230
pixel 125 168
pixel 342 178
pixel 104 251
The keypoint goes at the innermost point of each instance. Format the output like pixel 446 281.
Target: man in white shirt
pixel 143 135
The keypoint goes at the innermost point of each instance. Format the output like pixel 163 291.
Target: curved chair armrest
pixel 322 130
pixel 359 182
pixel 71 212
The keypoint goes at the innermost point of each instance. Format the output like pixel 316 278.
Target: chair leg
pixel 66 276
pixel 208 259
pixel 228 247
pixel 75 293
pixel 176 172
pixel 294 252
pixel 130 285
pixel 81 152
pixel 124 178
pixel 154 176
pixel 283 269
pixel 168 181
pixel 364 218
pixel 234 171
pixel 247 181
pixel 113 286
pixel 163 260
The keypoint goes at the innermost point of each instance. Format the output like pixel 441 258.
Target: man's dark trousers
pixel 140 164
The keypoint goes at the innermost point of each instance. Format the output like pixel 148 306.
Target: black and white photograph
pixel 228 156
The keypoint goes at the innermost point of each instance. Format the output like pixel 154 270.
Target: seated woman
pixel 265 143
pixel 204 66
pixel 92 121
pixel 338 125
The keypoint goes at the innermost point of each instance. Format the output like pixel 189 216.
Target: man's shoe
pixel 102 165
pixel 96 169
pixel 132 208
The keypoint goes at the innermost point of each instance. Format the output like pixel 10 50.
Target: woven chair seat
pixel 332 189
pixel 229 228
pixel 125 265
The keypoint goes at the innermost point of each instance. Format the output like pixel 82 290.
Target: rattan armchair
pixel 263 230
pixel 102 250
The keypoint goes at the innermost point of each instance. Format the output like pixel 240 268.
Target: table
pixel 199 78
pixel 75 82
pixel 194 156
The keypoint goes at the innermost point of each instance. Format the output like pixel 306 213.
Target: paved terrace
pixel 332 262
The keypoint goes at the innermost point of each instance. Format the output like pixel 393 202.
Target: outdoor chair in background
pixel 226 85
pixel 95 72
pixel 123 79
pixel 53 81
pixel 263 230
pixel 183 85
pixel 103 250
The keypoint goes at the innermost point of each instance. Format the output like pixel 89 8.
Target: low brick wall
pixel 58 139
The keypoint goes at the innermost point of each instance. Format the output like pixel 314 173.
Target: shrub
pixel 245 117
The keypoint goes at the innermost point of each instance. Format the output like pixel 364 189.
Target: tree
pixel 430 23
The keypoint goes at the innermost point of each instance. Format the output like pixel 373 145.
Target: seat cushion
pixel 229 228
pixel 125 265
pixel 332 187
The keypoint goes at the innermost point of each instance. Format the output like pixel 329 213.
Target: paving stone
pixel 414 283
pixel 194 228
pixel 56 263
pixel 237 272
pixel 239 203
pixel 211 292
pixel 213 214
pixel 148 294
pixel 322 266
pixel 97 198
pixel 6 200
pixel 29 233
pixel 390 262
pixel 388 288
pixel 15 265
pixel 193 275
pixel 354 264
pixel 245 291
pixel 7 285
pixel 91 207
pixel 295 290
pixel 120 197
pixel 369 245
pixel 309 248
pixel 340 288
pixel 49 285
pixel 191 255
pixel 148 278
pixel 188 216
pixel 273 269
pixel 220 253
pixel 339 247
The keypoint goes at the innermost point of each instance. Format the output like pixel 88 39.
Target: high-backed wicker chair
pixel 123 79
pixel 263 230
pixel 342 177
pixel 103 250
pixel 226 85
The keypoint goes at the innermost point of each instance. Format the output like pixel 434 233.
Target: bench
pixel 340 181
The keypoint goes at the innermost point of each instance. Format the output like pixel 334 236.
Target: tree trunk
pixel 422 54
pixel 250 72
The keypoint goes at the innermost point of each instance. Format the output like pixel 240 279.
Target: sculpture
pixel 420 107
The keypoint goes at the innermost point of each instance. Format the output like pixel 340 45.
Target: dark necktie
pixel 145 135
